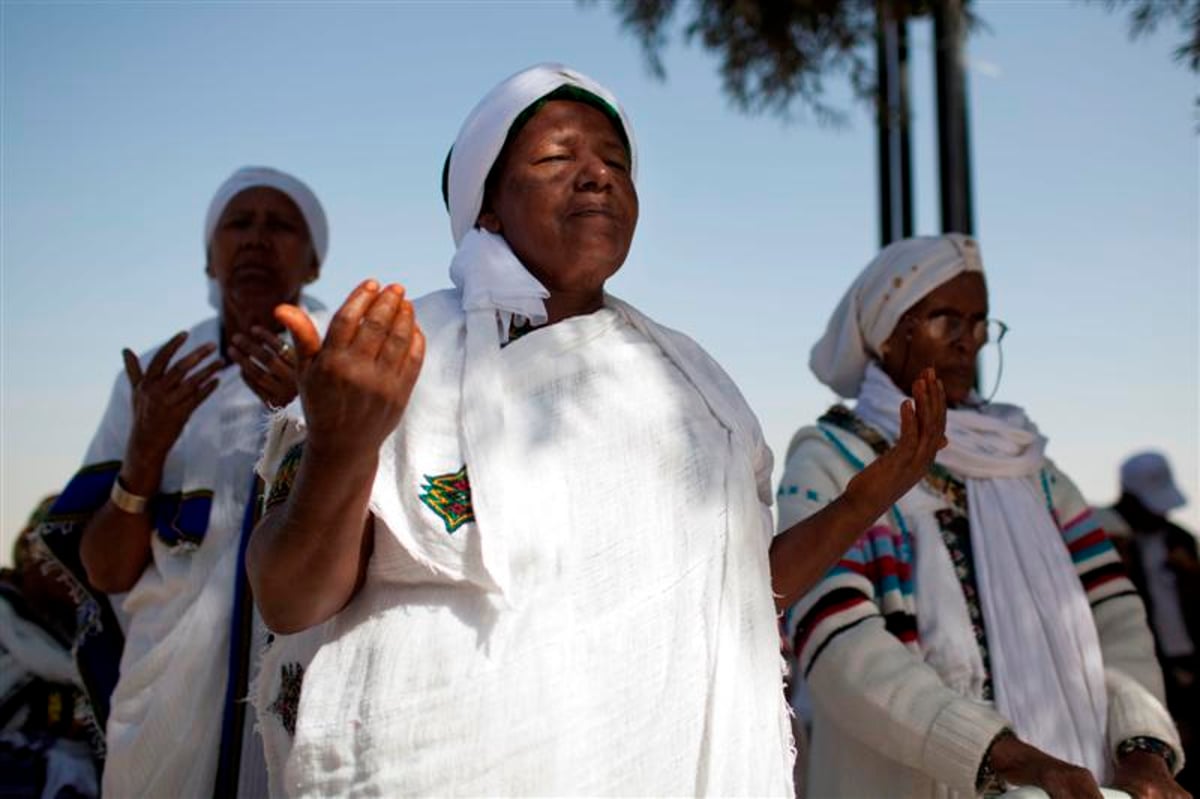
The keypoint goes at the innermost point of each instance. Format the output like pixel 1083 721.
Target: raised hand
pixel 922 433
pixel 802 553
pixel 164 398
pixel 355 386
pixel 268 365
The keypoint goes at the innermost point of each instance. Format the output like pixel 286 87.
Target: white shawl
pixel 463 426
pixel 1047 667
pixel 164 725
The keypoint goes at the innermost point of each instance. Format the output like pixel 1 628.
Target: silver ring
pixel 286 350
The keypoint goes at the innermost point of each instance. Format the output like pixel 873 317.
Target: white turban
pixel 496 287
pixel 899 277
pixel 484 267
pixel 250 177
pixel 486 128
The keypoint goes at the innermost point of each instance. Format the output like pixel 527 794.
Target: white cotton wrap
pixel 604 624
pixel 643 656
pixel 495 287
pixel 896 280
pixel 1046 663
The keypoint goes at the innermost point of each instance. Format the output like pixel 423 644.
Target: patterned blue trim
pixel 905 536
pixel 229 751
pixel 98 642
pixel 87 491
pixel 181 519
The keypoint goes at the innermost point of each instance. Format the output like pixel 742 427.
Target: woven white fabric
pixel 168 700
pixel 643 658
pixel 164 727
pixel 1047 667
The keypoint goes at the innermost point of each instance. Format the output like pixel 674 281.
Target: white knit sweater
pixel 885 724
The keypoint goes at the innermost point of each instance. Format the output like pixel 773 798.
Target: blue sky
pixel 120 119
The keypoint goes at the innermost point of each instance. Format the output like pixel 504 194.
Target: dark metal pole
pixel 893 117
pixel 954 152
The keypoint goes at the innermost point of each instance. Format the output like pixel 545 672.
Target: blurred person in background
pixel 45 740
pixel 1162 561
pixel 982 634
pixel 159 514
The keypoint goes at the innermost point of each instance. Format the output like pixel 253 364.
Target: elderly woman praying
pixel 519 533
pixel 982 633
pixel 159 514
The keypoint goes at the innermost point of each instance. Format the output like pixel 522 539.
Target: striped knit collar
pixel 937 478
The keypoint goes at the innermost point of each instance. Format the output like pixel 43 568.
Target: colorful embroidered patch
pixel 285 477
pixel 291 678
pixel 449 496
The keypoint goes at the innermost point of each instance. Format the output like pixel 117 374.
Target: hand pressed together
pixel 356 384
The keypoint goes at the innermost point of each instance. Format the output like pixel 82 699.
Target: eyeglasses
pixel 950 328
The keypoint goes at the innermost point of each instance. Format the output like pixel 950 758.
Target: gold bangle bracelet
pixel 125 499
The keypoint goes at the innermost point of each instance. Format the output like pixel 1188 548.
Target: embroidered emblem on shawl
pixel 285 477
pixel 449 496
pixel 291 678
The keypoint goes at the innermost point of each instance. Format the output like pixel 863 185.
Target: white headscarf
pixel 250 177
pixel 484 267
pixel 495 287
pixel 899 277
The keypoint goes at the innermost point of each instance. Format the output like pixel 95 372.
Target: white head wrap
pixel 495 288
pixel 484 267
pixel 249 177
pixel 899 277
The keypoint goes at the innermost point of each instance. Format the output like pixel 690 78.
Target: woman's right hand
pixel 922 433
pixel 356 384
pixel 1019 763
pixel 163 401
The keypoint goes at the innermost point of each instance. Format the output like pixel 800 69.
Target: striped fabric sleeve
pixel 871 579
pixel 866 581
pixel 811 480
pixel 1097 561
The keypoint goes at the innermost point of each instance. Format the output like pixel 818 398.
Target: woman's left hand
pixel 268 365
pixel 1144 775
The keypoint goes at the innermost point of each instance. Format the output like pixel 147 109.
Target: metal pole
pixel 954 153
pixel 892 112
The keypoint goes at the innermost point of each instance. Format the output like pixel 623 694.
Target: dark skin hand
pixel 802 554
pixel 260 254
pixel 116 545
pixel 1018 763
pixel 307 557
pixel 1144 775
pixel 268 367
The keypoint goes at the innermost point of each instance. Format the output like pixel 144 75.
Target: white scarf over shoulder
pixel 1047 668
pixel 495 287
pixel 1046 663
pixel 361 722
